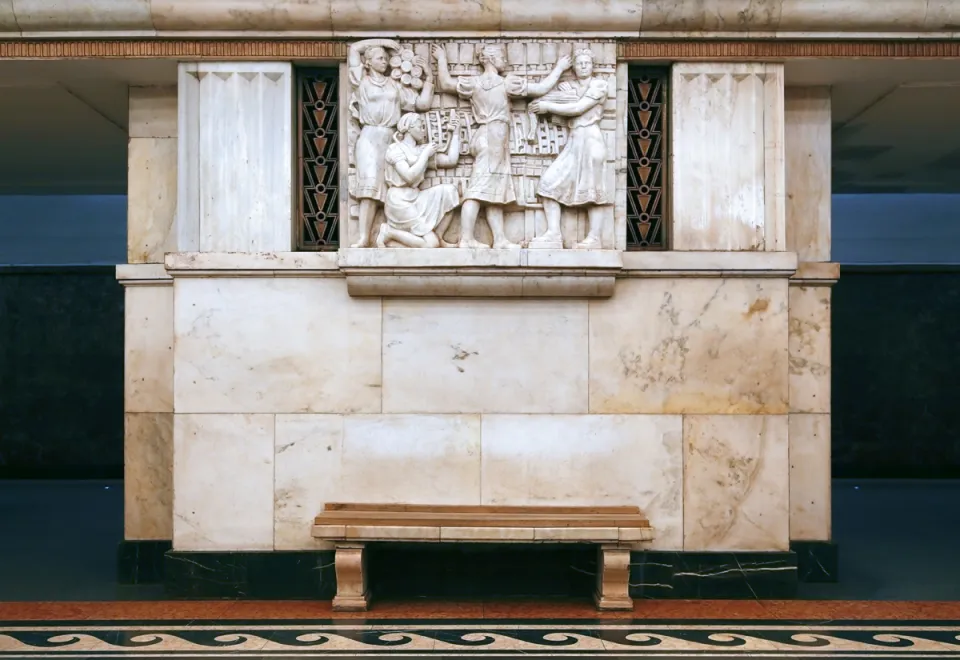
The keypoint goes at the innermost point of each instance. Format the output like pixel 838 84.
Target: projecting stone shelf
pixel 481 273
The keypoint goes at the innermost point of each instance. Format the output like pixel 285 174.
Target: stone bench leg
pixel 613 578
pixel 352 593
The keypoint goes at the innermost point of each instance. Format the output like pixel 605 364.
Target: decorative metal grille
pixel 647 159
pixel 318 163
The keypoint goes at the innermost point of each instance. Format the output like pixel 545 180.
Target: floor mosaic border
pixel 506 638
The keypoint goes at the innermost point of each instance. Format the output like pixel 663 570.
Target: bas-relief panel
pixel 275 345
pixel 702 346
pixel 519 133
pixel 736 477
pixel 584 460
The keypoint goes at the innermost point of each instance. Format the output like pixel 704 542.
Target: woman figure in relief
pixel 378 100
pixel 576 177
pixel 491 180
pixel 418 218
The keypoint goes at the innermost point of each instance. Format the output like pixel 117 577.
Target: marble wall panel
pixel 275 345
pixel 308 451
pixel 394 15
pixel 223 482
pixel 82 15
pixel 727 162
pixel 151 198
pixel 810 478
pixel 233 15
pixel 151 173
pixel 810 331
pixel 148 348
pixel 235 169
pixel 807 135
pixel 858 15
pixel 736 480
pixel 414 459
pixel 418 459
pixel 584 460
pixel 153 112
pixel 485 356
pixel 8 22
pixel 599 15
pixel 667 346
pixel 719 15
pixel 148 476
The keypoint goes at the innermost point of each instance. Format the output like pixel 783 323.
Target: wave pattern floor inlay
pixel 495 639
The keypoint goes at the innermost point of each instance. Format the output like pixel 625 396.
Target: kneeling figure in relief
pixel 417 218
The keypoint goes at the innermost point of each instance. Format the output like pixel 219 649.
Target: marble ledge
pixel 143 275
pixel 816 273
pixel 678 264
pixel 252 264
pixel 480 273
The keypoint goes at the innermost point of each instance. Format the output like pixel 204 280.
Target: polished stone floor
pixel 899 597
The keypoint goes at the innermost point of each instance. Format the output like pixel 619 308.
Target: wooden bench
pixel 616 529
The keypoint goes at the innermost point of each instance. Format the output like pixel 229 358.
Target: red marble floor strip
pixel 506 609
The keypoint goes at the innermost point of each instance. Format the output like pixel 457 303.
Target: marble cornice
pixel 483 273
pixel 672 19
pixel 816 273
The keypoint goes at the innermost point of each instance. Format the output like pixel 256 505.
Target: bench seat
pixel 350 526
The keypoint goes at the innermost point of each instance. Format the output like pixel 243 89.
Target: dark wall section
pixel 61 372
pixel 896 364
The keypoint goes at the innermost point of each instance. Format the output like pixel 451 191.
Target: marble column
pixel 236 157
pixel 148 314
pixel 808 166
pixel 727 162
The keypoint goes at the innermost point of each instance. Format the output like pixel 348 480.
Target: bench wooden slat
pixel 456 508
pixel 477 520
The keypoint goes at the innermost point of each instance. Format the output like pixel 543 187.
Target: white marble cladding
pixel 705 482
pixel 808 126
pixel 693 345
pixel 736 482
pixel 266 344
pixel 584 460
pixel 236 158
pixel 296 463
pixel 151 173
pixel 318 18
pixel 488 356
pixel 810 477
pixel 289 393
pixel 223 482
pixel 727 156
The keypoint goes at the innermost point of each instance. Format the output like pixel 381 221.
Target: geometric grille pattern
pixel 318 163
pixel 647 158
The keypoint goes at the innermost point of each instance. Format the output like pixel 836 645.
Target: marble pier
pixel 481 331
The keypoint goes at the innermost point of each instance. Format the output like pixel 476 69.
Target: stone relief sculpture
pixel 417 218
pixel 491 182
pixel 576 177
pixel 377 102
pixel 505 133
